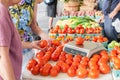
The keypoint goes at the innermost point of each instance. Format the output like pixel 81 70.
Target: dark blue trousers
pixel 110 31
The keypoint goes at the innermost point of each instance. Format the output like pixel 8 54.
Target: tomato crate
pixel 115 73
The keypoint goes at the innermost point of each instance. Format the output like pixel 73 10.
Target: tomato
pixel 102 61
pixel 60 31
pixel 85 59
pixel 43 43
pixel 57 27
pixel 94 66
pixel 94 39
pixel 100 40
pixel 69 56
pixel 51 49
pixel 105 39
pixel 93 73
pixel 32 61
pixel 57 67
pixel 53 72
pixel 103 52
pixel 81 72
pixel 55 42
pixel 39 55
pixel 77 31
pixel 69 62
pixel 118 51
pixel 63 53
pixel 66 27
pixel 55 55
pixel 79 40
pixel 35 70
pixel 116 66
pixel 82 31
pixel 64 31
pixel 85 63
pixel 45 69
pixel 116 48
pixel 104 69
pixel 75 64
pixel 29 66
pixel 64 67
pixel 71 72
pixel 70 32
pixel 77 58
pixel 62 57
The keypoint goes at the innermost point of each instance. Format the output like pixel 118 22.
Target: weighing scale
pixel 88 48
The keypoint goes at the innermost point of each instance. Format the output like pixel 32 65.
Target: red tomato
pixel 44 71
pixel 82 72
pixel 69 62
pixel 29 66
pixel 64 67
pixel 94 73
pixel 69 56
pixel 57 67
pixel 40 55
pixel 55 42
pixel 53 72
pixel 51 49
pixel 70 32
pixel 71 72
pixel 43 43
pixel 79 40
pixel 77 31
pixel 82 31
pixel 104 69
pixel 35 70
pixel 32 61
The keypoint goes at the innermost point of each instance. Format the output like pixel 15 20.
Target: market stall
pixel 79 31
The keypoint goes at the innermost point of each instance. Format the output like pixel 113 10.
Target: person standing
pixel 24 18
pixel 111 11
pixel 51 13
pixel 10 44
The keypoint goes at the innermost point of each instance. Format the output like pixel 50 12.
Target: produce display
pixel 72 65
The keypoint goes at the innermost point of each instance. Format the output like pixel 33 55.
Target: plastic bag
pixel 116 24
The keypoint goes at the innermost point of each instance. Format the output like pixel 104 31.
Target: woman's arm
pixel 6 69
pixel 33 44
pixel 35 27
pixel 115 11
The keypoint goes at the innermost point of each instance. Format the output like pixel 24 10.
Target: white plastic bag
pixel 116 24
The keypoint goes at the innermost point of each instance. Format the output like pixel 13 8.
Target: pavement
pixel 42 17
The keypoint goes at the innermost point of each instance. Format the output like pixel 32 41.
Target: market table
pixel 26 75
pixel 61 76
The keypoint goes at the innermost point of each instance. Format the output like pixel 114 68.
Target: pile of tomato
pixel 72 65
pixel 115 57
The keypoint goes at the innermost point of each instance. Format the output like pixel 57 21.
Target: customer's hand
pixel 112 14
pixel 35 44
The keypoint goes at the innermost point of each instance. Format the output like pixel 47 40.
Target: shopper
pixel 51 13
pixel 24 18
pixel 111 10
pixel 10 44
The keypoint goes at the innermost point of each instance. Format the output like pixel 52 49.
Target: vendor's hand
pixel 101 19
pixel 112 14
pixel 35 44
